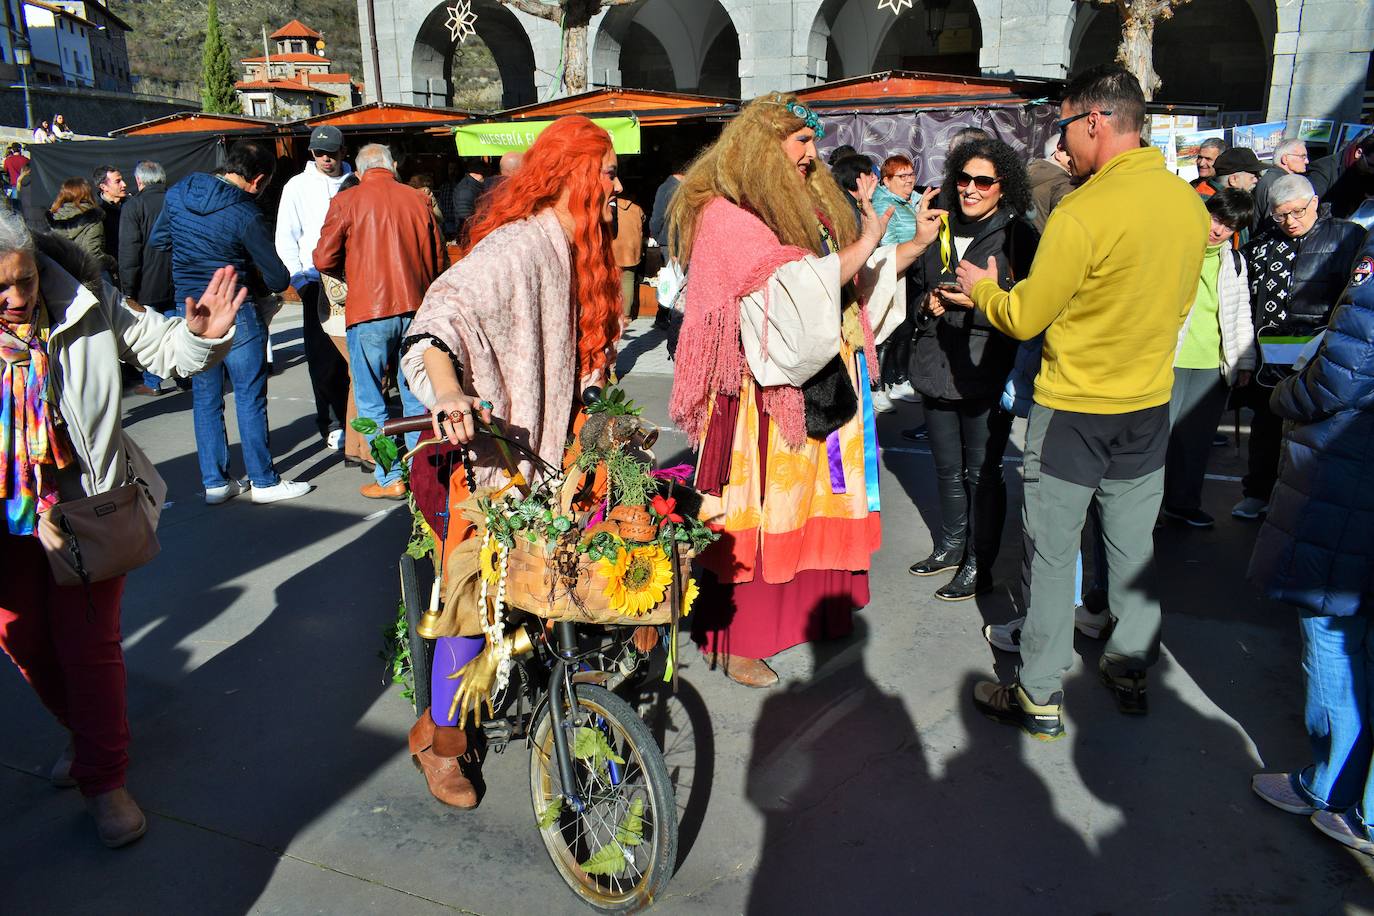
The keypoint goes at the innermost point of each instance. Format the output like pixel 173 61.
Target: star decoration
pixel 462 21
pixel 895 5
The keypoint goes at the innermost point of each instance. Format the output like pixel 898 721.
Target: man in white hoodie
pixel 304 204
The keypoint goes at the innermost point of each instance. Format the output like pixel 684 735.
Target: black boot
pixel 966 583
pixel 946 556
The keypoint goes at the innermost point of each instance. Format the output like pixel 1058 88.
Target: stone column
pixel 1321 60
pixel 1026 37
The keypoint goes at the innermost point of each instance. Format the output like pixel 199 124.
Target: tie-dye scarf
pixel 32 447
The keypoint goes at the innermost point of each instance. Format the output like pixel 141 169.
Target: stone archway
pixel 433 77
pixel 1219 52
pixel 681 45
pixel 855 38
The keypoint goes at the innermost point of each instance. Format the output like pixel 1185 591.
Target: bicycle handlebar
pixel 403 425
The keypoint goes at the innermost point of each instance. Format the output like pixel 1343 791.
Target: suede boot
pixel 118 819
pixel 751 672
pixel 436 751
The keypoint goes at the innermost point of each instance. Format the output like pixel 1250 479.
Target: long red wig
pixel 567 155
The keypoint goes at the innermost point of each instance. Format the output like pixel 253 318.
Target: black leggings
pixel 967 439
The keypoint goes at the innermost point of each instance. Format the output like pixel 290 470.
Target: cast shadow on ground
pixel 256 743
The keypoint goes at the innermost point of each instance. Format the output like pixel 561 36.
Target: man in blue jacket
pixel 208 221
pixel 1316 553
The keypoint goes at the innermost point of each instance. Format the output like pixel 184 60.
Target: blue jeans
pixel 1338 667
pixel 372 346
pixel 153 381
pixel 246 368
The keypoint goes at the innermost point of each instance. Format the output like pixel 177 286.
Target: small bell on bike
pixel 428 626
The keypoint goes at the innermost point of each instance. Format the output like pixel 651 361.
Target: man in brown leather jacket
pixel 383 237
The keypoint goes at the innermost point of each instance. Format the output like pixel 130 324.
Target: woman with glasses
pixel 960 362
pixel 1298 268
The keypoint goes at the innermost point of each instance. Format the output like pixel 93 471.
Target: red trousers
pixel 66 641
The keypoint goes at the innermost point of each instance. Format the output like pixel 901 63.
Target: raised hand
pixel 873 225
pixel 928 218
pixel 213 316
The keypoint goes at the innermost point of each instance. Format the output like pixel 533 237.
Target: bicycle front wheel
pixel 618 853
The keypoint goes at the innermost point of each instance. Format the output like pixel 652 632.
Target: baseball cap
pixel 326 139
pixel 1238 159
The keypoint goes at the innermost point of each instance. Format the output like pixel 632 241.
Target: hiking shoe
pixel 1344 828
pixel 216 495
pixel 1250 507
pixel 284 489
pixel 1010 704
pixel 1278 789
pixel 1195 517
pixel 1128 689
pixel 916 434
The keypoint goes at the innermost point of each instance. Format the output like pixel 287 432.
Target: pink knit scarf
pixel 733 255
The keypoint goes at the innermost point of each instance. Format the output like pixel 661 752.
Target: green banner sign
pixel 513 136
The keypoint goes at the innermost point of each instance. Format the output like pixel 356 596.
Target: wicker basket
pixel 533 585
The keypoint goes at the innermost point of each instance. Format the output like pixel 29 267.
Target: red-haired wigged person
pixel 527 317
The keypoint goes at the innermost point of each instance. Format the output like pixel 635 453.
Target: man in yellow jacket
pixel 1111 284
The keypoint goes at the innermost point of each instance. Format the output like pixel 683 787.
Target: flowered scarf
pixel 32 446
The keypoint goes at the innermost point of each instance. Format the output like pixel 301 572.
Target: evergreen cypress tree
pixel 216 74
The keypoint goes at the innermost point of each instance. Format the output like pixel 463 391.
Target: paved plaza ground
pixel 271 758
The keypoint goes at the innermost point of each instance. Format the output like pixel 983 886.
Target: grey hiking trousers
pixel 1070 458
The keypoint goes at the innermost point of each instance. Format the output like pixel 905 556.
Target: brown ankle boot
pixel 751 672
pixel 118 819
pixel 435 750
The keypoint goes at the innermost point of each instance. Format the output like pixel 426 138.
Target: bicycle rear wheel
pixel 618 854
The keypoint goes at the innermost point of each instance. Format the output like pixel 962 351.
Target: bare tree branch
pixel 550 11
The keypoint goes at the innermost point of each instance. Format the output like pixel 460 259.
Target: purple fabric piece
pixel 832 449
pixel 450 654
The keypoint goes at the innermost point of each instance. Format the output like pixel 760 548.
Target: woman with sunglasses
pixel 960 362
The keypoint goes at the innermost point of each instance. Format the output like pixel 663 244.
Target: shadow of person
pixel 820 771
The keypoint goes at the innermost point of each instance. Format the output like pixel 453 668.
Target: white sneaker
pixel 216 495
pixel 335 439
pixel 1250 507
pixel 881 403
pixel 1090 624
pixel 285 489
pixel 903 392
pixel 1007 636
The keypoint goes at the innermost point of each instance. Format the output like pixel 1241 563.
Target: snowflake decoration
pixel 462 20
pixel 895 5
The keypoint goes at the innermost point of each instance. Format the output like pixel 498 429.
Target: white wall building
pixel 62 40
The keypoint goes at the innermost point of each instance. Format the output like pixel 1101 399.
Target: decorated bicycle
pixel 560 553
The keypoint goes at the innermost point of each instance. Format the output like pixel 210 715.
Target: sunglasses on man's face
pixel 981 182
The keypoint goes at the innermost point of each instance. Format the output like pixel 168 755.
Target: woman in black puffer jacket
pixel 960 362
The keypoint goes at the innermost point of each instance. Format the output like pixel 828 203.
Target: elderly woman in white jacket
pixel 63 334
pixel 1216 352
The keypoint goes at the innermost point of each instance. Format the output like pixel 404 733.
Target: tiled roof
pixel 293 58
pixel 296 29
pixel 277 86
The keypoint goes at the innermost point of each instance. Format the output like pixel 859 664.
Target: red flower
pixel 663 507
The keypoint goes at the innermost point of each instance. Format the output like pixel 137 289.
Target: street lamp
pixel 936 11
pixel 23 56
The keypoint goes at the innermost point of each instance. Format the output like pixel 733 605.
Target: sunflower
pixel 689 595
pixel 490 560
pixel 637 579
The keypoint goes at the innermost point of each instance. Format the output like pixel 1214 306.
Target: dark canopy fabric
pixel 178 154
pixel 923 135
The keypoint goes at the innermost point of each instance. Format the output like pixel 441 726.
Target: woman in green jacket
pixel 77 217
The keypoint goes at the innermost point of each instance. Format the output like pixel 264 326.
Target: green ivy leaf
pixel 551 814
pixel 386 451
pixel 591 744
pixel 608 860
pixel 366 426
pixel 631 829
